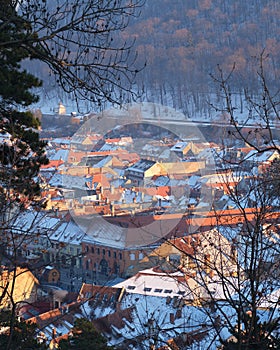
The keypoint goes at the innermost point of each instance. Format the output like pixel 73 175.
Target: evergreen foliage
pixel 24 334
pixel 85 336
pixel 21 152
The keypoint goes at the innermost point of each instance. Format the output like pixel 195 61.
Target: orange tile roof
pixel 116 196
pixel 52 164
pixel 45 316
pixel 112 140
pixel 156 191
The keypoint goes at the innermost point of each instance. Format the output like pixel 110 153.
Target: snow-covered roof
pixel 30 222
pixel 179 146
pixel 156 283
pixel 68 232
pixel 68 181
pixel 61 141
pixel 161 181
pixel 100 231
pixel 193 180
pixel 257 157
pixel 142 315
pixel 5 137
pixel 141 166
pixel 61 154
pixel 272 300
pixel 108 147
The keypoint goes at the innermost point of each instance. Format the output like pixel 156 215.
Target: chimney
pixel 112 210
pixel 178 313
pixel 54 333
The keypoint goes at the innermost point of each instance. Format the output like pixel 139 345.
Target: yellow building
pixel 18 287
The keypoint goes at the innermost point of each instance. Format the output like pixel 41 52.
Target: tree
pixel 238 285
pixel 21 151
pixel 78 42
pixel 84 336
pixel 236 270
pixel 24 335
pixel 257 125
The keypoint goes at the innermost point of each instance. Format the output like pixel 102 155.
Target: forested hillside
pixel 183 41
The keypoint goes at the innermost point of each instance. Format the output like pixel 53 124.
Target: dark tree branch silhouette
pixel 257 125
pixel 79 42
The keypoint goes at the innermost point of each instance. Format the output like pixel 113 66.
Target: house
pixel 52 165
pixel 61 142
pixel 181 148
pixel 60 154
pixel 19 286
pixel 162 281
pixel 50 274
pixel 143 170
pixel 121 141
pixel 82 142
pixel 132 320
pixel 182 168
pixel 56 323
pixel 106 251
pixel 30 230
pixel 63 246
pixel 185 252
pixel 222 181
pixel 189 148
pixel 261 160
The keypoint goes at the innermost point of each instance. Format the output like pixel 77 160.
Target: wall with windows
pixel 109 260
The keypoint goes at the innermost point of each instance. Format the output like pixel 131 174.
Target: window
pixel 73 262
pixel 131 287
pixel 123 224
pixel 98 251
pixel 103 251
pixel 115 255
pixel 120 256
pixel 157 290
pixel 141 256
pixel 146 289
pixel 168 291
pixel 92 250
pixel 87 248
pixel 181 292
pixel 132 256
pixel 109 253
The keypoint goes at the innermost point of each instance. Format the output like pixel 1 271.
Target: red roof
pixel 53 164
